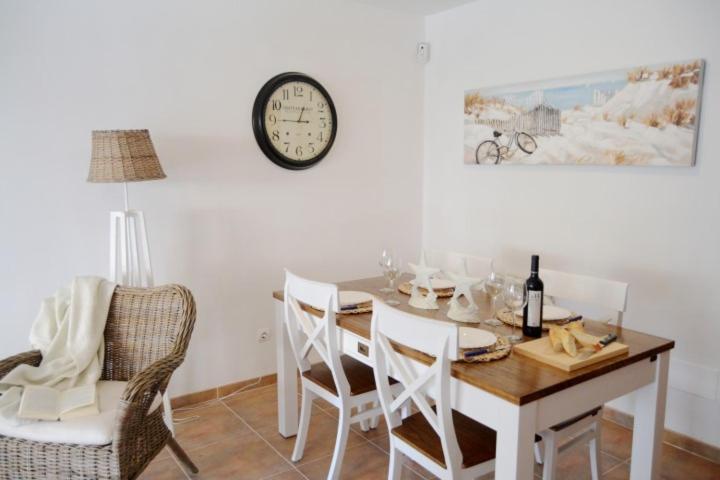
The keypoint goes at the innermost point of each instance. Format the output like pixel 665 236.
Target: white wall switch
pixel 422 53
pixel 263 335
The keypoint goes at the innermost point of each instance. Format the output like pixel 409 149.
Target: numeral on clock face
pixel 298 121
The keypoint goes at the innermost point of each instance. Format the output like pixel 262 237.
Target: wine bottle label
pixel 534 306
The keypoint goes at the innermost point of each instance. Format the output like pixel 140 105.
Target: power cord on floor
pixel 192 418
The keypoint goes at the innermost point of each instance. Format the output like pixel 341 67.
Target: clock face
pixel 294 120
pixel 298 121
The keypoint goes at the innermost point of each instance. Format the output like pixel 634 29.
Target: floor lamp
pixel 122 156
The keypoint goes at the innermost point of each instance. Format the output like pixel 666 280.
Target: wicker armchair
pixel 146 337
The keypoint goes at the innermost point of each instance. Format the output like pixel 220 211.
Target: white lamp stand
pixel 129 250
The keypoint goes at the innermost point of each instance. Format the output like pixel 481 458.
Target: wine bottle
pixel 532 314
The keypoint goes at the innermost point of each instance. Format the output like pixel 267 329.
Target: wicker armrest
pixel 139 395
pixel 32 357
pixel 143 387
pixel 139 433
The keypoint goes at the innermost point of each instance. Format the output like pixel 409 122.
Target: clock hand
pixel 294 121
pixel 302 110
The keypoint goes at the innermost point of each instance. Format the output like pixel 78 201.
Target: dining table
pixel 516 396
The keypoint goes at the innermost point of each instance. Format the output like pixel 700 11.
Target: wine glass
pixel 385 262
pixel 515 296
pixel 493 286
pixel 392 273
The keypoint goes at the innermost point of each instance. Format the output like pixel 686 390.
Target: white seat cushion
pixel 88 430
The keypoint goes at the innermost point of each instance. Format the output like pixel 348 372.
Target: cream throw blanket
pixel 69 333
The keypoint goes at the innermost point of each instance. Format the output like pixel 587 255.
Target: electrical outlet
pixel 263 335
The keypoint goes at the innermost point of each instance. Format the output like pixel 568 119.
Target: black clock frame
pixel 258 120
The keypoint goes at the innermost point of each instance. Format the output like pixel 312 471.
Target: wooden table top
pixel 515 378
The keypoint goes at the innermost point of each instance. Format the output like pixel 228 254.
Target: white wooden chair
pixel 445 442
pixel 585 428
pixel 598 292
pixel 339 379
pixel 460 263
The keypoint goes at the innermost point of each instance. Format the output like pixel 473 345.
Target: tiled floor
pixel 237 438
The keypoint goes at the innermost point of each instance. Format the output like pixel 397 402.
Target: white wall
pixel 657 228
pixel 226 220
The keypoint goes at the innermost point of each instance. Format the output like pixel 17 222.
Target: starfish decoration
pixel 423 278
pixel 463 288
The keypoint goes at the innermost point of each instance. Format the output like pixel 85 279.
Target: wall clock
pixel 294 120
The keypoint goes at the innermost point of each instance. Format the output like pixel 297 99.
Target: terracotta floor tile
pixel 675 465
pixel 214 423
pixel 320 441
pixel 616 440
pixel 379 432
pixel 246 457
pixel 164 453
pixel 384 444
pixel 619 472
pixel 679 464
pixel 319 402
pixel 420 470
pixel 575 464
pixel 364 462
pixel 289 475
pixel 374 433
pixel 163 469
pixel 258 407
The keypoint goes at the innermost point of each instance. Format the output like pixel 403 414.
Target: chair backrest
pixel 433 337
pixel 309 332
pixel 145 325
pixel 460 263
pixel 608 294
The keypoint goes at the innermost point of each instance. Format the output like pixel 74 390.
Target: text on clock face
pixel 298 121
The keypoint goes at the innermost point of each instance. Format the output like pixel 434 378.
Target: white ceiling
pixel 422 7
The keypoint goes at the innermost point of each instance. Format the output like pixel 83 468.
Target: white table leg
pixel 286 378
pixel 649 423
pixel 515 441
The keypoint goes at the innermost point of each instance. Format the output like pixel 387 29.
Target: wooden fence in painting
pixel 543 120
pixel 499 125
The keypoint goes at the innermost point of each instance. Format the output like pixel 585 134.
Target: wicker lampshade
pixel 123 156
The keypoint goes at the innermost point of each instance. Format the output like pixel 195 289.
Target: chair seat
pixel 360 376
pixel 476 441
pixel 87 430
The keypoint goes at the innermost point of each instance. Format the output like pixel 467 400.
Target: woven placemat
pixel 508 318
pixel 504 349
pixel 406 288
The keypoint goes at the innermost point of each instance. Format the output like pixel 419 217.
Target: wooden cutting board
pixel 542 351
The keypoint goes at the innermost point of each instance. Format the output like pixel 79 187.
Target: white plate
pixel 350 297
pixel 475 338
pixel 551 313
pixel 438 283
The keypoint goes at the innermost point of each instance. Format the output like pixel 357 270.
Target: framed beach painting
pixel 638 116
